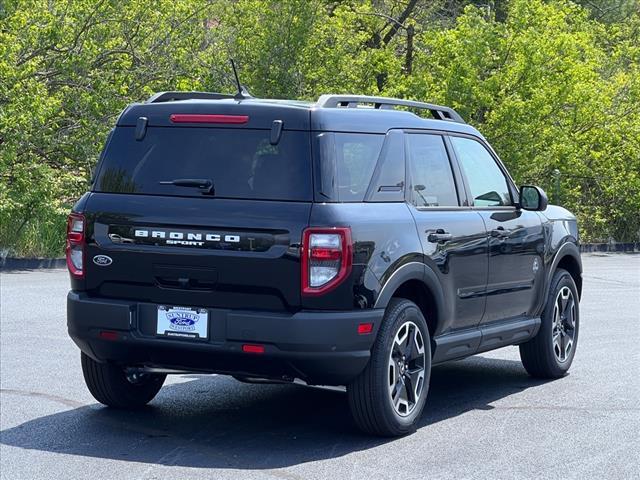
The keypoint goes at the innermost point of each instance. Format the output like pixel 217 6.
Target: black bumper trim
pixel 321 347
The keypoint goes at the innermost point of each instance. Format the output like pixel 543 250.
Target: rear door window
pixel 432 183
pixel 241 163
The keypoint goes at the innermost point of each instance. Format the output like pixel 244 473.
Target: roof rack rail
pixel 171 96
pixel 381 103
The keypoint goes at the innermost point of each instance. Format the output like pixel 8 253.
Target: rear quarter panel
pixel 384 238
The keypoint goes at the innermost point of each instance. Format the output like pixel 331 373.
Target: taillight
pixel 75 244
pixel 326 258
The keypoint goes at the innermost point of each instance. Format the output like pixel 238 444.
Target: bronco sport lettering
pixel 188 238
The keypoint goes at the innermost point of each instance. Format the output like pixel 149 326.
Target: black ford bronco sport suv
pixel 344 242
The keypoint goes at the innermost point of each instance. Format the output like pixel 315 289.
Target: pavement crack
pixel 572 409
pixel 54 398
pixel 605 280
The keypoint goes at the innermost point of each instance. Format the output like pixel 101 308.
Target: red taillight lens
pixel 207 118
pixel 326 258
pixel 326 254
pixel 75 244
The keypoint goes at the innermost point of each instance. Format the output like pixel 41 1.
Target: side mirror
pixel 533 198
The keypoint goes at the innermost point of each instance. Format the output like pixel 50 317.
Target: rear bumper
pixel 320 347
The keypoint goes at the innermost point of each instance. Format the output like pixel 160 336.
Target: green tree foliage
pixel 554 85
pixel 558 96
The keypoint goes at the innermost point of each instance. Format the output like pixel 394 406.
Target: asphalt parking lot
pixel 485 417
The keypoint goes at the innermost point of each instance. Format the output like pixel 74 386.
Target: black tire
pixel 369 394
pixel 540 355
pixel 109 385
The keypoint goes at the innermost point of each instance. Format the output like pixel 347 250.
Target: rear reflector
pixel 253 348
pixel 108 335
pixel 365 328
pixel 202 118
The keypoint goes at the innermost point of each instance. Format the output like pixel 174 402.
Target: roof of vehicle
pixel 336 113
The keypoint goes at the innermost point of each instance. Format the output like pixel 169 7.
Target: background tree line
pixel 554 85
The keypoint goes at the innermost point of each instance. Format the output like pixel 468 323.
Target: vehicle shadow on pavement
pixel 215 421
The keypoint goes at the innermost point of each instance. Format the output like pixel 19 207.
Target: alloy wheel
pixel 564 324
pixel 406 369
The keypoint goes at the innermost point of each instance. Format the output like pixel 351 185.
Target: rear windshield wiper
pixel 204 184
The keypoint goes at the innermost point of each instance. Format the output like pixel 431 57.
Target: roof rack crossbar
pixel 380 103
pixel 172 96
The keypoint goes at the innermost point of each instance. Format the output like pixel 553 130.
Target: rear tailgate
pixel 233 244
pixel 195 251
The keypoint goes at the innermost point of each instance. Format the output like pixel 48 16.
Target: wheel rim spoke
pixel 408 349
pixel 568 344
pixel 410 389
pixel 396 394
pixel 570 314
pixel 563 301
pixel 557 343
pixel 397 351
pixel 414 381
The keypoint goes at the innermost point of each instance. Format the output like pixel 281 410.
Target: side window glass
pixel 488 184
pixel 345 163
pixel 432 183
pixel 387 184
pixel 356 157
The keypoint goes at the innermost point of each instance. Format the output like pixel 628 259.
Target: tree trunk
pixel 500 8
pixel 408 60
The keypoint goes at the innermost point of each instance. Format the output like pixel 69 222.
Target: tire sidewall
pixel 109 385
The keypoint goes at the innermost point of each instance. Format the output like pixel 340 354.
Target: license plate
pixel 183 322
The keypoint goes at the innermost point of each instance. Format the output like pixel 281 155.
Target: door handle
pixel 500 232
pixel 438 236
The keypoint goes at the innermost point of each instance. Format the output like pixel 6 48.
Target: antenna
pixel 235 74
pixel 243 93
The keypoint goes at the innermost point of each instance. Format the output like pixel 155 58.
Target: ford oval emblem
pixel 182 319
pixel 102 260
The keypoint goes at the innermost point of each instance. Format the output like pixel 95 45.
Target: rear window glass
pixel 432 178
pixel 240 163
pixel 347 164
